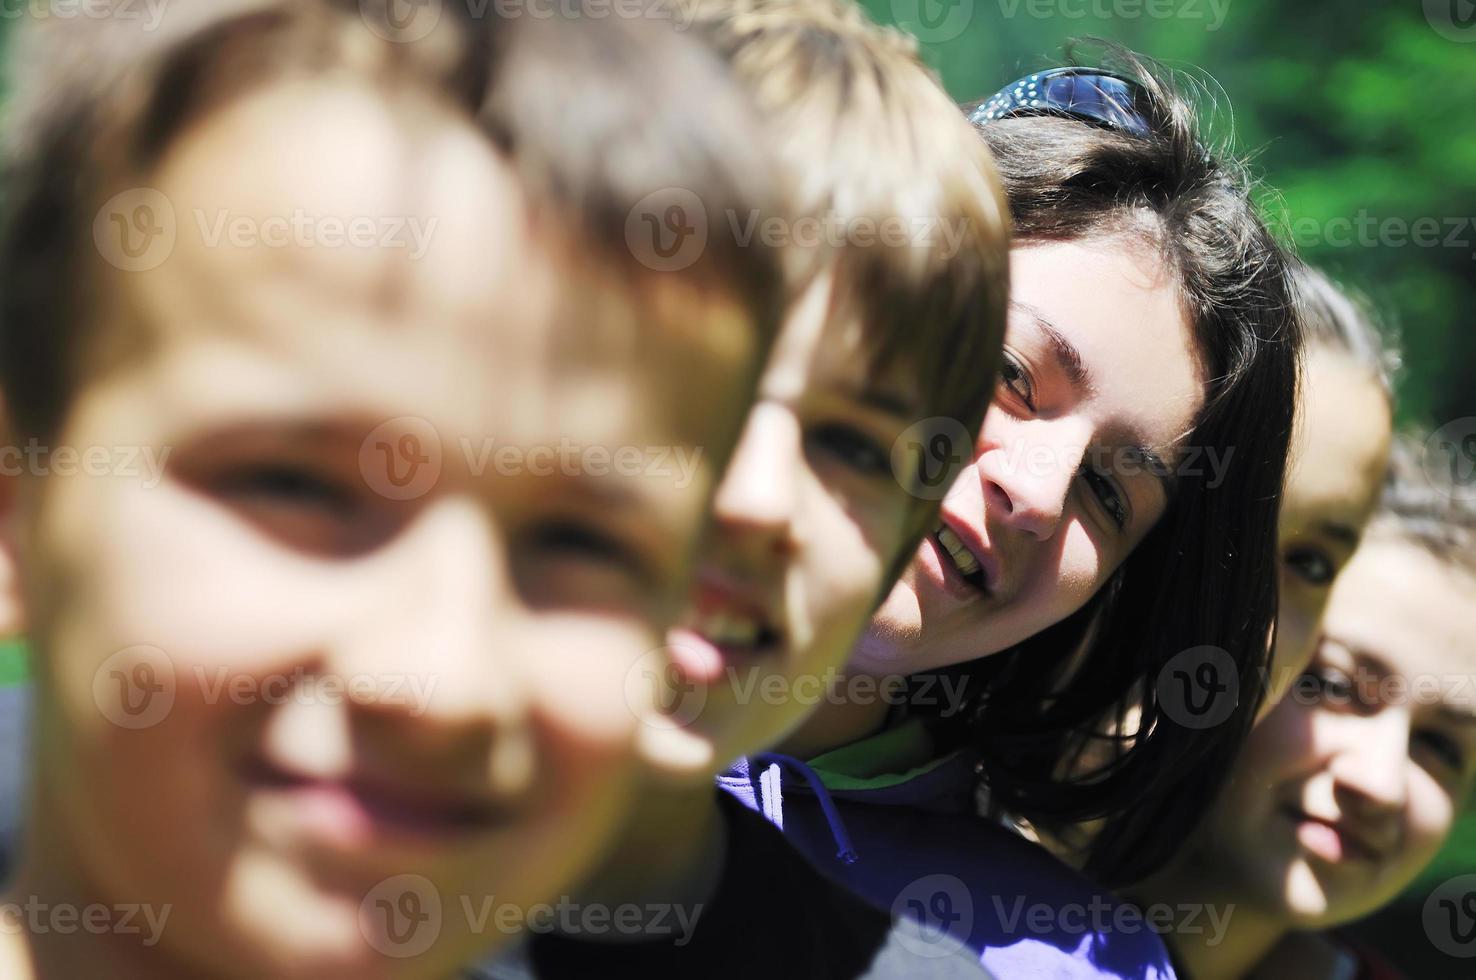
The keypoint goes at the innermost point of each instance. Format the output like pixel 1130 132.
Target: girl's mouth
pixel 959 559
pixel 1333 841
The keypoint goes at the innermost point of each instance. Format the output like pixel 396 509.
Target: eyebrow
pixel 1338 531
pixel 1068 359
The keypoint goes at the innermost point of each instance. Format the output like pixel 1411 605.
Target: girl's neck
pixel 1250 934
pixel 835 724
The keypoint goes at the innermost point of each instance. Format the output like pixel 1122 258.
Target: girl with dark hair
pixel 1118 517
pixel 1340 452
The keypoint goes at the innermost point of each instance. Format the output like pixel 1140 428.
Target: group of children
pixel 989 627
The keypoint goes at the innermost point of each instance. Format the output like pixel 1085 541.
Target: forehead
pixel 449 300
pixel 1341 446
pixel 1403 605
pixel 1120 307
pixel 824 344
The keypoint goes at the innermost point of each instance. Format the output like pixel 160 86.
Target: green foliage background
pixel 1347 108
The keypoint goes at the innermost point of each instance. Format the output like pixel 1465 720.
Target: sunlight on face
pixel 808 517
pixel 1100 384
pixel 1347 789
pixel 363 674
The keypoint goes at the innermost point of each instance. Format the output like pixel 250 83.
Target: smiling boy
pixel 887 344
pixel 222 727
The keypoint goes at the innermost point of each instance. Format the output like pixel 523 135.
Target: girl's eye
pixel 1331 684
pixel 1107 495
pixel 1311 565
pixel 1447 749
pixel 852 447
pixel 1012 375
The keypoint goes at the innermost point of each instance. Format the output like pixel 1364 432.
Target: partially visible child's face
pixel 807 519
pixel 1347 789
pixel 1341 451
pixel 358 663
pixel 1100 368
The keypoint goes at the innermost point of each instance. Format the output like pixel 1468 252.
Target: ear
pixel 12 607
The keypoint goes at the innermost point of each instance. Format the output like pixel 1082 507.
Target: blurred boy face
pixel 348 661
pixel 1342 450
pixel 807 519
pixel 1347 789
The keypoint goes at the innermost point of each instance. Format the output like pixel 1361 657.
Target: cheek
pixel 171 570
pixel 1280 747
pixel 1427 823
pixel 835 583
pixel 894 626
pixel 153 608
pixel 1068 570
pixel 585 677
pixel 1299 612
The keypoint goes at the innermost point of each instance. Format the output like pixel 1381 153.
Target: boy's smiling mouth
pixel 728 623
pixel 363 809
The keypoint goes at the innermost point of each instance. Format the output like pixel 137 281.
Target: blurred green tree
pixel 1360 117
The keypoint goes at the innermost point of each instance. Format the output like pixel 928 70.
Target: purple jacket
pixel 897 825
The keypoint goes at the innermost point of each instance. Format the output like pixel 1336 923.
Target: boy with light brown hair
pixel 883 369
pixel 332 680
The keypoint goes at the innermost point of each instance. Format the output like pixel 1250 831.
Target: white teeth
pixel 728 629
pixel 962 556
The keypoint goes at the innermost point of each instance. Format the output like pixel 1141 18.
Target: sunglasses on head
pixel 1087 94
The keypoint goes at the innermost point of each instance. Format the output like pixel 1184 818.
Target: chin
pixel 1307 902
pixel 901 611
